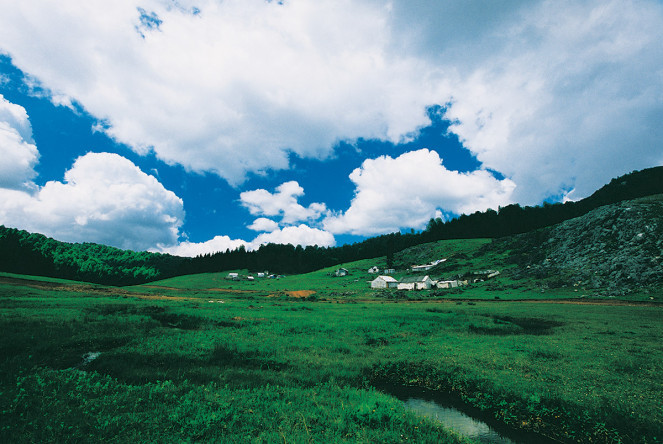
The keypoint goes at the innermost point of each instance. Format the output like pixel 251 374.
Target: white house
pixel 233 276
pixel 447 284
pixel 373 270
pixel 384 282
pixel 415 283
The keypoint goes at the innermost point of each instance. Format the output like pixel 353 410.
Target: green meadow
pixel 311 358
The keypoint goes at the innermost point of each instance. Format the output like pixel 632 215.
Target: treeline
pixel 514 219
pixel 506 221
pixel 287 259
pixel 35 254
pixel 25 253
pixel 22 252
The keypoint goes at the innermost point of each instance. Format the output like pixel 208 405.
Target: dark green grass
pixel 264 369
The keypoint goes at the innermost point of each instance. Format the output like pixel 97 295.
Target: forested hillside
pixel 22 252
pixel 35 254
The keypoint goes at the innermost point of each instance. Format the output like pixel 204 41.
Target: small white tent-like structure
pixel 447 284
pixel 415 283
pixel 384 282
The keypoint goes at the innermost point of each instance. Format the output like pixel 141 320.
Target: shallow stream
pixel 460 418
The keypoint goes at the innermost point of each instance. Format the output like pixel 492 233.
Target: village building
pixel 415 283
pixel 233 276
pixel 373 270
pixel 447 284
pixel 389 271
pixel 384 282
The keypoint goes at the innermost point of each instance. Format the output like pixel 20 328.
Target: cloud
pixel 410 190
pixel 105 199
pixel 555 95
pixel 563 95
pixel 282 203
pixel 296 235
pixel 263 224
pixel 17 149
pixel 231 89
pixel 192 249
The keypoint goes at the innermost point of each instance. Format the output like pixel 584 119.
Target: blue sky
pixel 191 127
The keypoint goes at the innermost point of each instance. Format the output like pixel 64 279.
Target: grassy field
pixel 201 358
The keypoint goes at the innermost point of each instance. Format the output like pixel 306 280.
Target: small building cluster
pixel 253 277
pixel 385 281
pixel 414 283
pixel 426 283
pixel 387 271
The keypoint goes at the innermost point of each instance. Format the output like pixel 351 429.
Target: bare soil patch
pixel 300 293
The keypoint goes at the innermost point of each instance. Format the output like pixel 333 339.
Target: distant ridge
pixel 514 219
pixel 35 254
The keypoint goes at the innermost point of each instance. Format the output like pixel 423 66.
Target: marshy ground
pixel 195 360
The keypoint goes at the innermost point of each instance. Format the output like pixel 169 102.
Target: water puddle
pixel 457 421
pixel 462 419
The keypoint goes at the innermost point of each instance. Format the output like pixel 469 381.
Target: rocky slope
pixel 616 247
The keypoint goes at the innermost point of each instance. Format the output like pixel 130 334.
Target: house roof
pixel 413 279
pixel 386 278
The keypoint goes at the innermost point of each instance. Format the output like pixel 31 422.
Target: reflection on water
pixel 457 421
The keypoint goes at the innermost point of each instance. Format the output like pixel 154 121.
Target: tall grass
pixel 265 369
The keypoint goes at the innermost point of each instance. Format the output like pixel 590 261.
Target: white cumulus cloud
pixel 263 224
pixel 17 149
pixel 192 249
pixel 231 89
pixel 555 95
pixel 410 190
pixel 296 235
pixel 282 203
pixel 105 199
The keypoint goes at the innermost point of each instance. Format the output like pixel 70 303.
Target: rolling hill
pixel 35 254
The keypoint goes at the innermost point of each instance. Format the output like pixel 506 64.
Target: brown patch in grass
pixel 300 293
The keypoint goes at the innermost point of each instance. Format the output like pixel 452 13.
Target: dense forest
pixel 26 253
pixel 35 254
